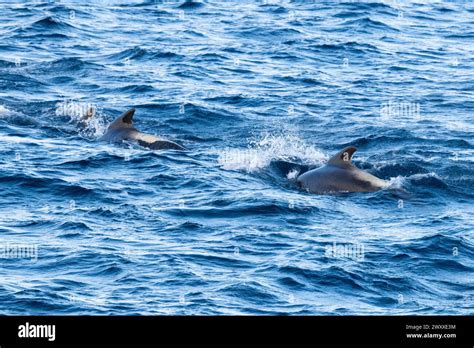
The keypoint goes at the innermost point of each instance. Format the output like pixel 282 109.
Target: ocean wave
pixel 191 5
pixel 437 248
pixel 43 184
pixel 251 291
pixel 137 88
pixel 69 64
pixel 366 23
pixel 5 112
pixel 350 47
pixel 417 180
pixel 141 54
pixel 50 22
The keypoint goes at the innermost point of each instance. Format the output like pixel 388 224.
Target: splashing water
pixel 91 121
pixel 270 147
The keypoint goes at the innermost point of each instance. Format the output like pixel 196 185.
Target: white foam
pixel 270 147
pixel 396 182
pixel 25 140
pixel 399 181
pixel 95 126
pixel 5 112
pixel 292 174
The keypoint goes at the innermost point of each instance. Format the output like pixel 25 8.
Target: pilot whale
pixel 340 175
pixel 122 129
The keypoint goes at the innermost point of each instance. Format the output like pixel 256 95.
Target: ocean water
pixel 258 92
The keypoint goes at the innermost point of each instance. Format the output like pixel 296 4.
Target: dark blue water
pixel 257 91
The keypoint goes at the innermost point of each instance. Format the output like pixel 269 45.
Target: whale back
pixel 122 129
pixel 339 174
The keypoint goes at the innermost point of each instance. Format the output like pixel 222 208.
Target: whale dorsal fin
pixel 124 121
pixel 343 158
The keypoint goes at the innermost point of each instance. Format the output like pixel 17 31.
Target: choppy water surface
pixel 248 88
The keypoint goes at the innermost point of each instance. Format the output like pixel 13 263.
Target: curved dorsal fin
pixel 343 157
pixel 124 121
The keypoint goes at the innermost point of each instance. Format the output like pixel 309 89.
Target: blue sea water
pixel 257 92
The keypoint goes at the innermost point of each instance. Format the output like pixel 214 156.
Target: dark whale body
pixel 340 175
pixel 122 130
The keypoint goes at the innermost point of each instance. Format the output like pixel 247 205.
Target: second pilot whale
pixel 340 175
